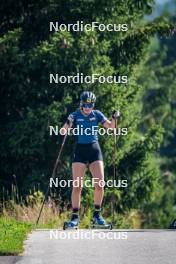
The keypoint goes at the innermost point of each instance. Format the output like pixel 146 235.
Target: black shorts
pixel 87 153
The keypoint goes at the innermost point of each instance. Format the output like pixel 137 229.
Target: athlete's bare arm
pixel 109 124
pixel 66 126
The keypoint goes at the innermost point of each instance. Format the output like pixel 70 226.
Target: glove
pixel 115 114
pixel 70 120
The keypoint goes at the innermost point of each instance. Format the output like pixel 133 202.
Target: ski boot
pixel 73 223
pixel 99 223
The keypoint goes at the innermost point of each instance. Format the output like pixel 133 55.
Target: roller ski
pixel 72 224
pixel 99 223
pixel 173 225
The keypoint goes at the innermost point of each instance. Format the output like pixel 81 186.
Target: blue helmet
pixel 87 97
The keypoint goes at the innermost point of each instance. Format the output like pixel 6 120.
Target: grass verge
pixel 12 235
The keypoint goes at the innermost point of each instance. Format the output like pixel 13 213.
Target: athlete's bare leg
pixel 78 170
pixel 97 171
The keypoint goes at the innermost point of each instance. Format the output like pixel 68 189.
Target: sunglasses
pixel 87 105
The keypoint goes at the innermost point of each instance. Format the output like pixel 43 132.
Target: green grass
pixel 12 235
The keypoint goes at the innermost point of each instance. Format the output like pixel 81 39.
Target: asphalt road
pixel 98 246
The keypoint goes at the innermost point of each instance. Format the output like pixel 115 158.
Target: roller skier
pixel 87 153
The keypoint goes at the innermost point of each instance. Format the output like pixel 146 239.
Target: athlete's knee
pixel 77 189
pixel 99 185
pixel 78 184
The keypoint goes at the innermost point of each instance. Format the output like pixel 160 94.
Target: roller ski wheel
pixel 173 225
pixel 95 225
pixel 69 226
pixel 72 224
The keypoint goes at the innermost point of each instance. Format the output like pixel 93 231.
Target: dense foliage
pixel 29 52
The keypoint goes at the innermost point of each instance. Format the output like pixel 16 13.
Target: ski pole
pixel 52 176
pixel 114 171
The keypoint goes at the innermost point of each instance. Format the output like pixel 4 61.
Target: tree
pixel 29 104
pixel 159 99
